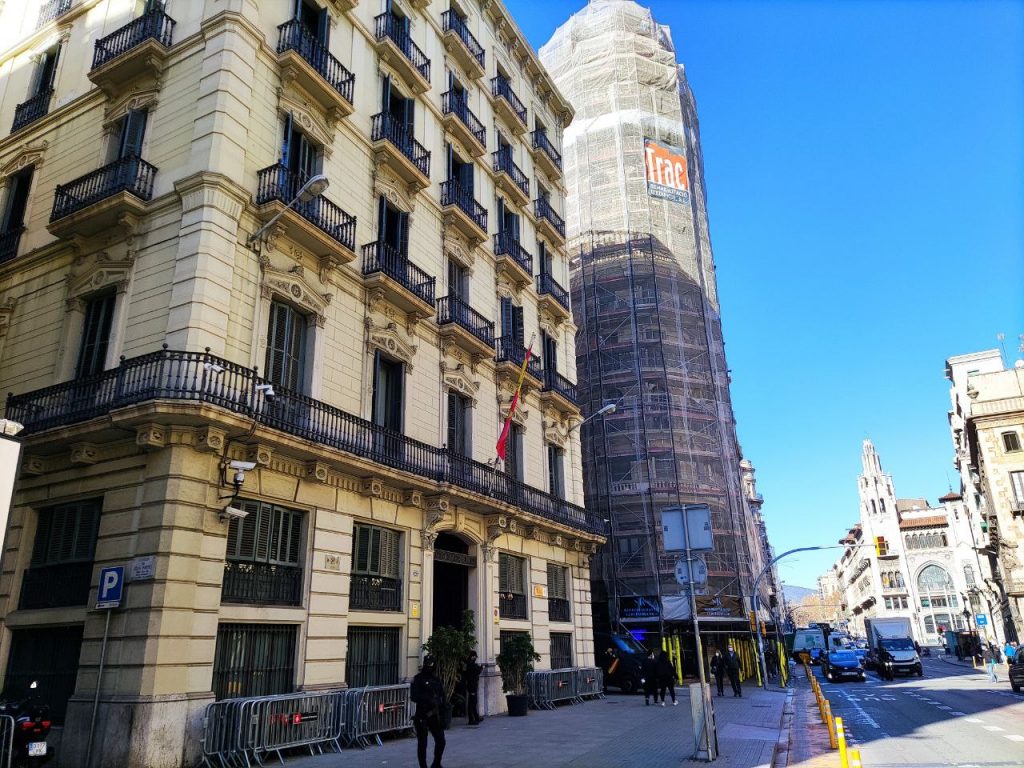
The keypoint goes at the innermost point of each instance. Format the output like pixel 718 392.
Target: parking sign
pixel 111 587
pixel 981 619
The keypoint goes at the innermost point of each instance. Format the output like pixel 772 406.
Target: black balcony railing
pixel 454 23
pixel 276 182
pixel 543 143
pixel 51 10
pixel 387 26
pixel 56 586
pixel 556 382
pixel 512 605
pixel 503 163
pixel 294 36
pixel 512 350
pixel 183 377
pixel 507 244
pixel 261 583
pixel 543 210
pixel 31 110
pixel 546 284
pixel 379 257
pixel 129 174
pixel 9 242
pixel 501 88
pixel 558 609
pixel 155 25
pixel 452 309
pixel 454 103
pixel 453 193
pixel 386 127
pixel 374 593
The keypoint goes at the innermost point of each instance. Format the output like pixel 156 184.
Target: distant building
pixel 986 422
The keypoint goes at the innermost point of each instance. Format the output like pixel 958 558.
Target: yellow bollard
pixel 841 738
pixel 855 759
pixel 831 723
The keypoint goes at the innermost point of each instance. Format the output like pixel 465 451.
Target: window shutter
pixel 286 139
pixel 410 117
pixel 449 160
pixel 515 225
pixel 518 330
pixel 507 323
pixel 453 422
pixel 500 205
pixel 403 234
pixel 323 27
pixel 132 133
pixel 385 93
pixel 264 525
pixel 503 581
pixel 374 562
pixel 390 553
pixel 360 548
pixel 516 581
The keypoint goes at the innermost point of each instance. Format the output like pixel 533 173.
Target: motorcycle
pixel 31 727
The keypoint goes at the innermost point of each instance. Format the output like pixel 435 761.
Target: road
pixel 953 716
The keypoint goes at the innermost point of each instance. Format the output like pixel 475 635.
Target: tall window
pixel 129 134
pixel 99 315
pixel 508 219
pixel 315 20
pixel 388 392
pixel 286 346
pixel 254 660
pixel 46 72
pixel 17 200
pixel 561 650
pixel 1017 484
pixel 1011 442
pixel 392 228
pixel 299 154
pixel 459 170
pixel 512 326
pixel 60 570
pixel 556 472
pixel 459 410
pixel 549 352
pixel 511 586
pixel 514 453
pixel 403 113
pixel 372 656
pixel 263 556
pixel 969 576
pixel 458 281
pixel 376 569
pixel 558 593
pixel 545 258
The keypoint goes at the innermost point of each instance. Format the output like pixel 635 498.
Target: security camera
pixel 233 512
pixel 266 389
pixel 243 466
pixel 10 427
pixel 214 368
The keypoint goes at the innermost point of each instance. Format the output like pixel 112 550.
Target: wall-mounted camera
pixel 240 468
pixel 267 390
pixel 233 513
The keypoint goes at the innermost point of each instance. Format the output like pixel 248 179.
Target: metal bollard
pixel 841 738
pixel 831 723
pixel 855 759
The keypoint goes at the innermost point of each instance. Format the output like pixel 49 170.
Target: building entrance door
pixel 452 567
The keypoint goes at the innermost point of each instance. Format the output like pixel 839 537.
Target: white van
pixel 810 640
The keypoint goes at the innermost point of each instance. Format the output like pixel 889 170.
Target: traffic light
pixel 881 548
pixel 753 622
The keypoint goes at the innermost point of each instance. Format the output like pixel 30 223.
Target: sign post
pixel 108 597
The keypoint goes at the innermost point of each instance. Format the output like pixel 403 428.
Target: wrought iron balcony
pixel 294 36
pixel 386 127
pixel 56 586
pixel 557 383
pixel 543 143
pixel 503 163
pixel 507 244
pixel 453 193
pixel 512 350
pixel 277 183
pixel 29 111
pixel 452 22
pixel 129 174
pixel 512 605
pixel 452 309
pixel 182 377
pixel 545 213
pixel 50 10
pixel 261 583
pixel 381 258
pixel 454 103
pixel 374 593
pixel 558 609
pixel 548 286
pixel 9 242
pixel 386 27
pixel 155 25
pixel 502 89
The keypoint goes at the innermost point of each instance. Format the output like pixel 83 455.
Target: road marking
pixel 991 727
pixel 1013 737
pixel 943 706
pixel 974 720
pixel 957 713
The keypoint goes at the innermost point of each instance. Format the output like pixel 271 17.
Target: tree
pixel 450 646
pixel 815 609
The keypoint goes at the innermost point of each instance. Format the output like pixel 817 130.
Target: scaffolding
pixel 645 301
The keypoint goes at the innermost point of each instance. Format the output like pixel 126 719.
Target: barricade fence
pixel 547 688
pixel 6 740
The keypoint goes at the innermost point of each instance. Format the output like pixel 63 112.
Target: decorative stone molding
pixel 456 248
pixel 260 454
pixel 84 454
pixel 490 553
pixel 320 128
pixel 457 378
pixel 150 436
pixel 428 537
pixel 436 507
pixel 555 431
pixel 506 287
pixel 371 486
pixel 412 498
pixel 292 286
pixel 210 440
pixel 389 340
pixel 33 466
pixel 141 99
pixel 6 313
pixel 316 470
pixel 548 323
pixel 92 274
pixel 30 154
pixel 396 191
pixel 536 533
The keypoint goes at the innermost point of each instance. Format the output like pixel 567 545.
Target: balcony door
pixel 388 409
pixel 299 155
pixel 508 220
pixel 512 329
pixel 392 232
pixel 452 568
pixel 402 112
pixel 314 20
pixel 460 171
pixel 131 130
pixel 549 352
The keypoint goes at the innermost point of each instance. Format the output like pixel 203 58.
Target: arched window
pixel 933 578
pixel 944 540
pixel 899 579
pixel 909 541
pixel 969 576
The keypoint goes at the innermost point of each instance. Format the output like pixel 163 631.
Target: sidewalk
pixel 603 733
pixel 807 744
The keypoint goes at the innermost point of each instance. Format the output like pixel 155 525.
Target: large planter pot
pixel 518 704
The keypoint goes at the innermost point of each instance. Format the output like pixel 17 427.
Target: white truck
pixel 891 643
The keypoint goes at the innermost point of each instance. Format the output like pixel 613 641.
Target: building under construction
pixel 650 337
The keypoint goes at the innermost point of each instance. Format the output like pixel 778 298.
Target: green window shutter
pixel 294 538
pixel 503 582
pixel 389 553
pixel 513 569
pixel 263 527
pixel 361 549
pixel 557 586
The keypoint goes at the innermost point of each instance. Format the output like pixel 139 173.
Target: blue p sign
pixel 111 587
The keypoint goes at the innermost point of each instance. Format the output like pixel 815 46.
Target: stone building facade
pixel 360 354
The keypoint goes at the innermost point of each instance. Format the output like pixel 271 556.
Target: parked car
pixel 842 665
pixel 1017 671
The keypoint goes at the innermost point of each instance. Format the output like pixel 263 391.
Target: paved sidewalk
pixel 604 733
pixel 808 745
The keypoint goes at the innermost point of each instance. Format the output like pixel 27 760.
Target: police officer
pixel 471 677
pixel 427 694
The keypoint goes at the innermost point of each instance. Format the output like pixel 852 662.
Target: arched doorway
pixel 940 608
pixel 452 566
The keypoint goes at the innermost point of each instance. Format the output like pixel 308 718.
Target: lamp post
pixel 314 187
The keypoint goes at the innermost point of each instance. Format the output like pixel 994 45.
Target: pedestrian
pixel 1009 651
pixel 609 664
pixel 471 677
pixel 732 666
pixel 649 675
pixel 989 657
pixel 666 678
pixel 771 661
pixel 718 670
pixel 427 694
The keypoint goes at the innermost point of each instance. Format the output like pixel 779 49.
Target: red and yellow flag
pixel 503 438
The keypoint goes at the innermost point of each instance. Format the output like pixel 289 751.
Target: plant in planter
pixel 450 646
pixel 515 661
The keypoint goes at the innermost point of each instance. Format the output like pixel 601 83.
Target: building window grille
pixel 511 586
pixel 48 656
pixel 561 650
pixel 254 660
pixel 376 569
pixel 1011 442
pixel 373 655
pixel 60 571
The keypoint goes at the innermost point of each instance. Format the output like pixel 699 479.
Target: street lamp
pixel 605 409
pixel 314 187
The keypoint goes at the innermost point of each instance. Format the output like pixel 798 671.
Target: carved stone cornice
pixel 29 154
pixel 389 340
pixel 292 286
pixel 457 378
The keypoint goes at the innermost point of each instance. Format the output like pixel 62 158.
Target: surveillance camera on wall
pixel 243 466
pixel 214 368
pixel 234 512
pixel 266 389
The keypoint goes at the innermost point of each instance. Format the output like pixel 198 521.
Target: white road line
pixel 1013 737
pixel 974 720
pixel 957 713
pixel 866 717
pixel 943 706
pixel 991 727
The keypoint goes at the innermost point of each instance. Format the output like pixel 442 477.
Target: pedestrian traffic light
pixel 881 548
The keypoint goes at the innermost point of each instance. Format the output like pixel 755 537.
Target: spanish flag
pixel 503 438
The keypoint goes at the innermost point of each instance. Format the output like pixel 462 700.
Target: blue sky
pixel 866 195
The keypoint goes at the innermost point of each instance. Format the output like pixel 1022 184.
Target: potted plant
pixel 450 646
pixel 515 661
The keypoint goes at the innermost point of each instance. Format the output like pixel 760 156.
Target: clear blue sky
pixel 866 194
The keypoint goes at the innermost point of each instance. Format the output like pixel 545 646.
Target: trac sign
pixel 666 172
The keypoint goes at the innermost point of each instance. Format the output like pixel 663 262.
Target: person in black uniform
pixel 427 694
pixel 732 666
pixel 718 670
pixel 471 677
pixel 649 672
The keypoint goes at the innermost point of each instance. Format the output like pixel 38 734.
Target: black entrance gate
pixel 452 563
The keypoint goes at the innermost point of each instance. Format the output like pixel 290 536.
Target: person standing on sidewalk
pixel 732 666
pixel 666 678
pixel 471 677
pixel 989 657
pixel 771 661
pixel 718 670
pixel 427 694
pixel 649 673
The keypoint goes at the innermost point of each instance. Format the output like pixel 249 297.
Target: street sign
pixel 697 527
pixel 698 571
pixel 111 587
pixel 981 619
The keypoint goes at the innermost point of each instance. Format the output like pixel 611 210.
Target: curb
pixel 780 754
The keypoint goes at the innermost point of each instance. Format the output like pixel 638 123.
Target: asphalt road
pixel 953 716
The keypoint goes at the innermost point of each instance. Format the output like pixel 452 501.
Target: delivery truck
pixel 891 647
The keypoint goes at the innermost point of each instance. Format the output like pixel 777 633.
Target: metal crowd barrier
pixel 549 687
pixel 370 712
pixel 590 682
pixel 6 740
